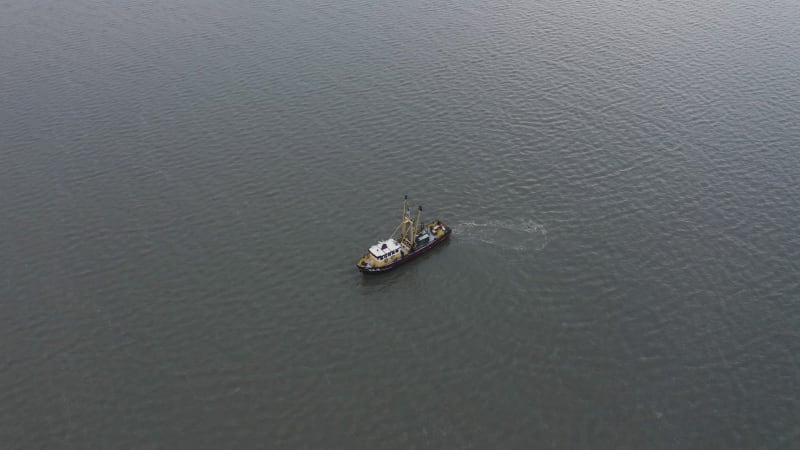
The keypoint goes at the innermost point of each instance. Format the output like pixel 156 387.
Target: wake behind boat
pixel 409 240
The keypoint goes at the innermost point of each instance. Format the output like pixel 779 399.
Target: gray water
pixel 186 186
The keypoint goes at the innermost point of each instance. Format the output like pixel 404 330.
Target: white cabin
pixel 385 249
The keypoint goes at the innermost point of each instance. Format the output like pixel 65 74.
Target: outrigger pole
pixel 403 225
pixel 418 224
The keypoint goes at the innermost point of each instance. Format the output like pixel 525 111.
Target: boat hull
pixel 408 257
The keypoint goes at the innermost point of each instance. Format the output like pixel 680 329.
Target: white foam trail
pixel 521 235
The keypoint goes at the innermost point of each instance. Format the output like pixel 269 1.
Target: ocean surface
pixel 186 185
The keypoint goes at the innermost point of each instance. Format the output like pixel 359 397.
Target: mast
pixel 418 224
pixel 407 226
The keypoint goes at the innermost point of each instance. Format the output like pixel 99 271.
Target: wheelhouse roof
pixel 384 247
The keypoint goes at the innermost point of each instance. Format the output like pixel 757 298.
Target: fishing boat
pixel 410 239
